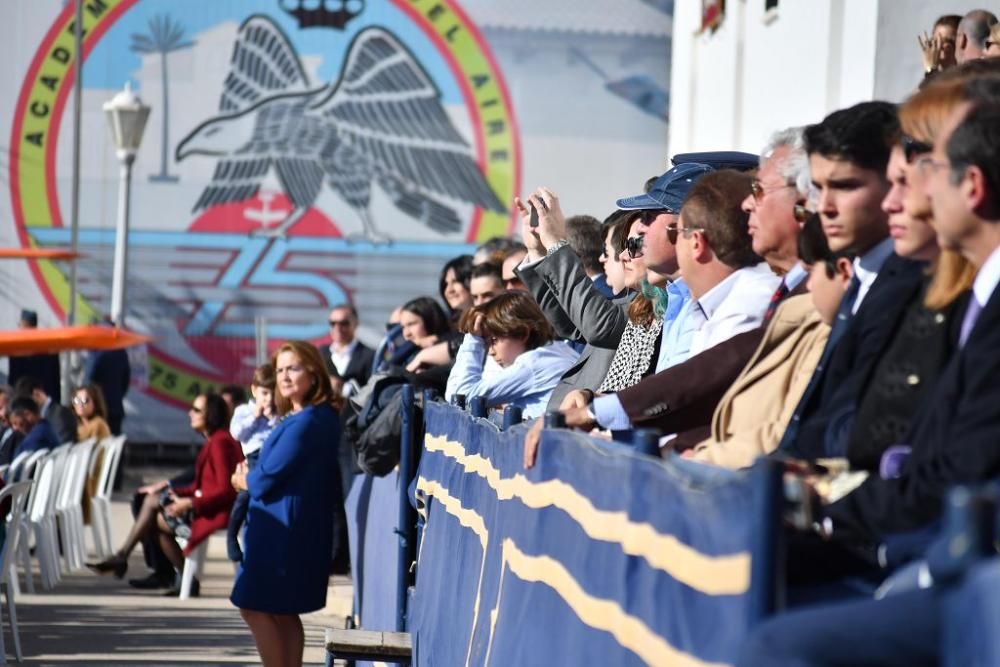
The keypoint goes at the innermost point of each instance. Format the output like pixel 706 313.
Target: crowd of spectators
pixel 833 298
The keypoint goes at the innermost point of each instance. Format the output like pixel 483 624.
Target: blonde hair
pixel 921 118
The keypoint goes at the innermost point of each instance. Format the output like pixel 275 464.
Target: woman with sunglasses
pixel 290 523
pixel 193 511
pixel 91 413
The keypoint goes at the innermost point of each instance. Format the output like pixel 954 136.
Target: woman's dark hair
pixel 814 249
pixel 96 397
pixel 435 320
pixel 462 265
pixel 216 413
pixel 513 314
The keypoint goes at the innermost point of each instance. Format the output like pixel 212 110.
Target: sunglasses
pixel 912 148
pixel 340 323
pixel 648 216
pixel 81 400
pixel 633 246
pixel 673 231
pixel 758 191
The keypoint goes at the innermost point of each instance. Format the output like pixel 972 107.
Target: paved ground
pixel 92 620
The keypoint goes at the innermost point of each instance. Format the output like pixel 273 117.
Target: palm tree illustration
pixel 165 36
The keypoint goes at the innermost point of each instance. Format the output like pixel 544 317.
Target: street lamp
pixel 127 116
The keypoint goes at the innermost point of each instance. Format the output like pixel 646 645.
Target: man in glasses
pixel 347 359
pixel 848 155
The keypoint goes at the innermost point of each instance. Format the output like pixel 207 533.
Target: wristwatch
pixel 555 246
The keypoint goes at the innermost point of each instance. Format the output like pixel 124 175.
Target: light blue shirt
pixel 527 383
pixel 250 431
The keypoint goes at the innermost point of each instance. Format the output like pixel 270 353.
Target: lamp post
pixel 127 116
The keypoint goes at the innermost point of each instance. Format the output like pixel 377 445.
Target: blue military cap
pixel 720 159
pixel 669 190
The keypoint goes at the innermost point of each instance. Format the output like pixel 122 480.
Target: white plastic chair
pixel 193 564
pixel 16 492
pixel 68 512
pixel 15 466
pixel 100 502
pixel 42 517
pixel 30 467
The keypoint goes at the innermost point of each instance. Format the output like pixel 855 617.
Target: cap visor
pixel 638 203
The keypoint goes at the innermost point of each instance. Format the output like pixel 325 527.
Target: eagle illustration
pixel 382 121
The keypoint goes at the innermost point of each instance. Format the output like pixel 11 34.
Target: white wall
pixel 759 73
pixel 898 67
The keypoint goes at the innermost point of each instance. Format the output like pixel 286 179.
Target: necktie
pixel 969 321
pixel 844 312
pixel 776 298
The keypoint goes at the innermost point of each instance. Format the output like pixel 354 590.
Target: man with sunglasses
pixel 346 357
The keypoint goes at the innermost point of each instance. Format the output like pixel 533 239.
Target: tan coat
pixel 752 415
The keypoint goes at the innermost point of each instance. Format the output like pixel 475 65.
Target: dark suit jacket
pixel 955 441
pixel 63 421
pixel 359 368
pixel 836 381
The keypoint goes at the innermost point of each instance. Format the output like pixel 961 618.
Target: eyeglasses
pixel 340 323
pixel 758 190
pixel 674 230
pixel 801 213
pixel 81 400
pixel 926 163
pixel 648 216
pixel 913 148
pixel 634 245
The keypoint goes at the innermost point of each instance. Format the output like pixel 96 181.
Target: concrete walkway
pixel 93 620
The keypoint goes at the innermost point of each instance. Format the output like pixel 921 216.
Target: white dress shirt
pixel 867 266
pixel 987 279
pixel 341 358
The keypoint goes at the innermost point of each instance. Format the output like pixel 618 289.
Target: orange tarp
pixel 35 341
pixel 36 253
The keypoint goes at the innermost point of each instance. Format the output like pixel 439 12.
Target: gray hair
pixel 795 166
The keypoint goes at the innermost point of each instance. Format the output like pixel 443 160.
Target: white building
pixel 771 64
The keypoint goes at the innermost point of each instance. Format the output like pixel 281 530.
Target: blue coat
pixel 289 528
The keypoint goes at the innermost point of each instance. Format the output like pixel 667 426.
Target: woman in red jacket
pixel 193 511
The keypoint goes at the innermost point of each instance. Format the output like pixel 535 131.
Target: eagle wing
pixel 386 108
pixel 264 63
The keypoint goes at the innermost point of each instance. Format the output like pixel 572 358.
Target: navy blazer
pixel 850 358
pixel 955 441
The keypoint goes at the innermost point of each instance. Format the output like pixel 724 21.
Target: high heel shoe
pixel 116 565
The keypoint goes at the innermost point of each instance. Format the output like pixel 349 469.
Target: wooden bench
pixel 368 645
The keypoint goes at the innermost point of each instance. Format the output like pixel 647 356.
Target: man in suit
pixel 61 418
pixel 848 153
pixel 111 371
pixel 38 433
pixel 346 357
pixel 954 441
pixel 45 367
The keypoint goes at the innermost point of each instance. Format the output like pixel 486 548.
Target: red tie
pixel 776 298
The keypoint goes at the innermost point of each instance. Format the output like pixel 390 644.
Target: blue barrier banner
pixel 593 556
pixel 371 526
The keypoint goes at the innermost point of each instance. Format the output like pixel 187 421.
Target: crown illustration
pixel 323 13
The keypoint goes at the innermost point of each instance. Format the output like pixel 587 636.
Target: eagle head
pixel 217 137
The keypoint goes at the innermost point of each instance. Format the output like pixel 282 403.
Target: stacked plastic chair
pixel 17 493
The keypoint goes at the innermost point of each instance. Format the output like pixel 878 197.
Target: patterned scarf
pixel 657 295
pixel 633 356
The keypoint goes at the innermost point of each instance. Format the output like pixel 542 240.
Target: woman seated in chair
pixel 512 329
pixel 195 511
pixel 91 422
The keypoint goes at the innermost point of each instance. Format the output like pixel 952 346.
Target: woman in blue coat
pixel 289 528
